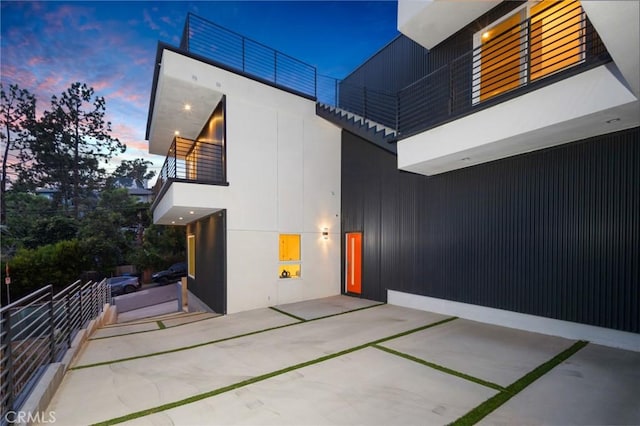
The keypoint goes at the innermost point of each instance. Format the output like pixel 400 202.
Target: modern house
pixel 485 163
pixel 252 172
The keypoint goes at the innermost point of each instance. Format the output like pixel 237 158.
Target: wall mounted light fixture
pixel 325 233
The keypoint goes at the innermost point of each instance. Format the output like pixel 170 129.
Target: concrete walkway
pixel 339 360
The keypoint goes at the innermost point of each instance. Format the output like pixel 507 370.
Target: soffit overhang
pixel 177 84
pixel 618 25
pixel 592 103
pixel 182 203
pixel 429 22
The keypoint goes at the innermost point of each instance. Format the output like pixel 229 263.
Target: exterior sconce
pixel 325 233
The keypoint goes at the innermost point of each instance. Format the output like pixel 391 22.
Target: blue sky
pixel 111 45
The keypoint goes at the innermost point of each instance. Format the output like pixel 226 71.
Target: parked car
pixel 174 273
pixel 124 284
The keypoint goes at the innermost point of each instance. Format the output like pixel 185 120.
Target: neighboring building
pixel 137 188
pixel 48 193
pixel 485 163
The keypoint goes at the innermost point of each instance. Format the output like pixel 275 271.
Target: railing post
pixel 188 32
pixel 67 309
pixel 8 357
pixel 527 22
pixel 52 330
pixel 335 87
pixel 451 90
pixel 275 67
pixel 94 304
pixel 81 319
pixel 243 53
pixel 397 120
pixel 364 102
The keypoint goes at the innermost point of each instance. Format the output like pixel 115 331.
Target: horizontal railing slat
pixel 485 73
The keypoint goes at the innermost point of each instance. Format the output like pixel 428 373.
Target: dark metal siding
pixel 403 61
pixel 210 284
pixel 554 233
pixel 395 66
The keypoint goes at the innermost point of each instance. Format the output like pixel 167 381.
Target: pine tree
pixel 17 119
pixel 73 139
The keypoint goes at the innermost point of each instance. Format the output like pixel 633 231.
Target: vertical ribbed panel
pixel 210 283
pixel 403 61
pixel 395 66
pixel 554 233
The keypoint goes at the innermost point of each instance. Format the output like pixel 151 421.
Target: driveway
pixel 342 360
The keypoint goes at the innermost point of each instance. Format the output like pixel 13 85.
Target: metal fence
pixel 37 330
pixel 371 104
pixel 520 56
pixel 210 40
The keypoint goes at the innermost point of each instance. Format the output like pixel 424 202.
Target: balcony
pixel 511 59
pixel 188 162
pixel 539 77
pixel 194 162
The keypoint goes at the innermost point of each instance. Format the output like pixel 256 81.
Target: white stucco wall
pixel 283 169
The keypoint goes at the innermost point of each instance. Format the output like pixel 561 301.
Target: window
pixel 289 271
pixel 289 256
pixel 534 41
pixel 556 37
pixel 202 159
pixel 191 256
pixel 289 247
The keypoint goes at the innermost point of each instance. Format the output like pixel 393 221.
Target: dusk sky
pixel 111 45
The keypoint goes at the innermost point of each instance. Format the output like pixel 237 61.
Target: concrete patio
pixel 339 360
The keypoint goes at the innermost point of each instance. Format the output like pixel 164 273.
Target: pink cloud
pixel 141 60
pixel 11 74
pixel 129 96
pixel 90 26
pixel 100 85
pixel 126 133
pixel 61 15
pixel 51 84
pixel 35 61
pixel 167 20
pixel 149 21
pixel 138 146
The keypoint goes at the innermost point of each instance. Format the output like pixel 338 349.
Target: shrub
pixel 58 264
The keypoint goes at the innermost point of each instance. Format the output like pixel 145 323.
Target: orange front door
pixel 353 262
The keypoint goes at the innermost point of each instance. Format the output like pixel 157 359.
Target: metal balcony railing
pixel 550 44
pixel 210 40
pixel 192 161
pixel 374 105
pixel 37 330
pixel 522 57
